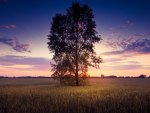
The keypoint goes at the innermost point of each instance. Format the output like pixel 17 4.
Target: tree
pixel 71 39
pixel 142 76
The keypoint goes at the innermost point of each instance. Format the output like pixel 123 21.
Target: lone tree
pixel 71 39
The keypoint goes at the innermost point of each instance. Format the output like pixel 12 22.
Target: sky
pixel 124 26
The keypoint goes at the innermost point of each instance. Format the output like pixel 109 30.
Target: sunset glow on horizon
pixel 123 25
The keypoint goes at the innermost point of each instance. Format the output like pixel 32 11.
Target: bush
pixel 70 80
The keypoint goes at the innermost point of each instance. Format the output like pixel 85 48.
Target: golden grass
pixel 43 95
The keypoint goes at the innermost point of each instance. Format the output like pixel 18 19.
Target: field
pixel 44 95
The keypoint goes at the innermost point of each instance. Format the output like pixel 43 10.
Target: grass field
pixel 44 95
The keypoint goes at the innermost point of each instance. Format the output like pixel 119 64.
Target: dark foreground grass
pixel 100 96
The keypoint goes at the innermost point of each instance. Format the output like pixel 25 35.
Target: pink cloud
pixel 15 44
pixel 142 34
pixel 33 63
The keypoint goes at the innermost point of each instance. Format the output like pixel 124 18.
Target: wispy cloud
pixel 33 63
pixel 15 44
pixel 12 26
pixel 116 38
pixel 141 45
pixel 110 60
pixel 142 34
pixel 125 67
pixel 139 42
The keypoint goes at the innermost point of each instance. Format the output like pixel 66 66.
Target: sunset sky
pixel 124 26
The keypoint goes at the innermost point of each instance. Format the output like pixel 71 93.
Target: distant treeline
pixel 26 77
pixel 113 76
pixel 102 76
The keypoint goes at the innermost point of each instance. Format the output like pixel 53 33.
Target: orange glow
pixel 23 72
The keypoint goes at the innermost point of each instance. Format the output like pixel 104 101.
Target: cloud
pixel 113 60
pixel 122 44
pixel 137 43
pixel 141 45
pixel 142 34
pixel 24 60
pixel 121 64
pixel 125 67
pixel 117 52
pixel 15 44
pixel 33 62
pixel 116 37
pixel 12 26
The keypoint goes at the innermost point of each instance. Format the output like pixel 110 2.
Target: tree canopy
pixel 71 39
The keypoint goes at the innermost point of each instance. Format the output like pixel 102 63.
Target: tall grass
pixel 101 96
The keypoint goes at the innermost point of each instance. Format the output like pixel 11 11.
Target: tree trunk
pixel 76 54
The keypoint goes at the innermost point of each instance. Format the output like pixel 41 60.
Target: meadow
pixel 101 95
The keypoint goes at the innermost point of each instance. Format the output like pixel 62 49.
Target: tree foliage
pixel 71 39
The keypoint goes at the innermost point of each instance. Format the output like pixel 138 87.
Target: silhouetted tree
pixel 142 76
pixel 71 39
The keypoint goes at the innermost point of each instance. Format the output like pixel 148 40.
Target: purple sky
pixel 123 24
